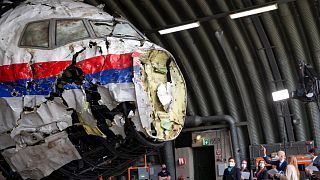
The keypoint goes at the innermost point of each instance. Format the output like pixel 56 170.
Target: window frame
pixel 133 27
pixel 36 47
pixel 91 28
pixel 143 37
pixel 64 19
pixel 87 25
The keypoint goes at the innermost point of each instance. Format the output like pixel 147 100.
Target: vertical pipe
pixel 169 159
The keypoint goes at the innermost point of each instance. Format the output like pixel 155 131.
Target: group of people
pixel 234 173
pixel 284 170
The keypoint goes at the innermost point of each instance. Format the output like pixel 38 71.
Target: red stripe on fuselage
pixel 15 72
pixel 101 63
pixel 53 68
pixel 49 69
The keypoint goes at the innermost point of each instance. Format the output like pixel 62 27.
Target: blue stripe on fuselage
pixel 46 85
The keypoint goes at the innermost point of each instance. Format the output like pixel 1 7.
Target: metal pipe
pixel 194 121
pixel 169 159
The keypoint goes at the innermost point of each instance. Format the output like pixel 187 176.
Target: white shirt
pixel 314 158
pixel 291 173
pixel 281 163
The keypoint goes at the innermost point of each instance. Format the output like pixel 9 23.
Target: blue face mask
pixel 232 164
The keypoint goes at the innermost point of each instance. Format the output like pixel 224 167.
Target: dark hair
pixel 231 158
pixel 312 150
pixel 259 164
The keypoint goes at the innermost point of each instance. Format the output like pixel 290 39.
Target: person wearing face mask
pixel 164 174
pixel 262 172
pixel 244 169
pixel 231 172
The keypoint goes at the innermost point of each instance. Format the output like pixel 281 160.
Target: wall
pixel 221 141
pixel 186 170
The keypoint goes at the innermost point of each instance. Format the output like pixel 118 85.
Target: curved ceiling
pixel 231 67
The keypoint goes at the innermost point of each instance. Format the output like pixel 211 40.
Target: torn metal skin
pixel 89 94
pixel 161 115
pixel 40 160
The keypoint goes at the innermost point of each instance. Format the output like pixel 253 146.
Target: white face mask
pixel 261 165
pixel 232 164
pixel 243 166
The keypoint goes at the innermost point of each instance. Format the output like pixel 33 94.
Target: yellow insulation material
pixel 89 130
pixel 154 73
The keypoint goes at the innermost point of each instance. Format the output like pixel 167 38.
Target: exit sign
pixel 207 142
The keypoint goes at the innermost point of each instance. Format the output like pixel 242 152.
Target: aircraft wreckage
pixel 82 94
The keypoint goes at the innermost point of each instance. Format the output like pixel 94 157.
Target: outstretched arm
pixel 266 158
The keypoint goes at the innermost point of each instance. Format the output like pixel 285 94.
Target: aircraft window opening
pixel 69 30
pixel 53 33
pixel 36 34
pixel 122 29
pixel 102 28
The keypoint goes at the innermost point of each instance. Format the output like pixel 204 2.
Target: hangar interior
pixel 231 67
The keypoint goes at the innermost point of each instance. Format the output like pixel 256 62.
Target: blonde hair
pixel 293 161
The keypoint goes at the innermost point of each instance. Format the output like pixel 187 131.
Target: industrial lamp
pixel 180 28
pixel 280 95
pixel 198 137
pixel 254 11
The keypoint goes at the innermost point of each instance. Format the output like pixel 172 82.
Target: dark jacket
pixel 262 175
pixel 164 173
pixel 234 174
pixel 277 164
pixel 316 162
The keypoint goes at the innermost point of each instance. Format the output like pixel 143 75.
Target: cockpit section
pixel 82 93
pixel 52 33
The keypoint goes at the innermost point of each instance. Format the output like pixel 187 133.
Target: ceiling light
pixel 180 28
pixel 254 11
pixel 198 137
pixel 280 95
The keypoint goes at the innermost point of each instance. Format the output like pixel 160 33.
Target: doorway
pixel 204 163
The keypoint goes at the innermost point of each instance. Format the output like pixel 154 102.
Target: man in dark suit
pixel 280 164
pixel 313 152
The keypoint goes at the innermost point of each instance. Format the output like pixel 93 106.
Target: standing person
pixel 164 173
pixel 231 172
pixel 280 164
pixel 262 173
pixel 308 170
pixel 243 168
pixel 292 171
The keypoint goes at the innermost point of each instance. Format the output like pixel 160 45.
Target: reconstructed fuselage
pixel 82 93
